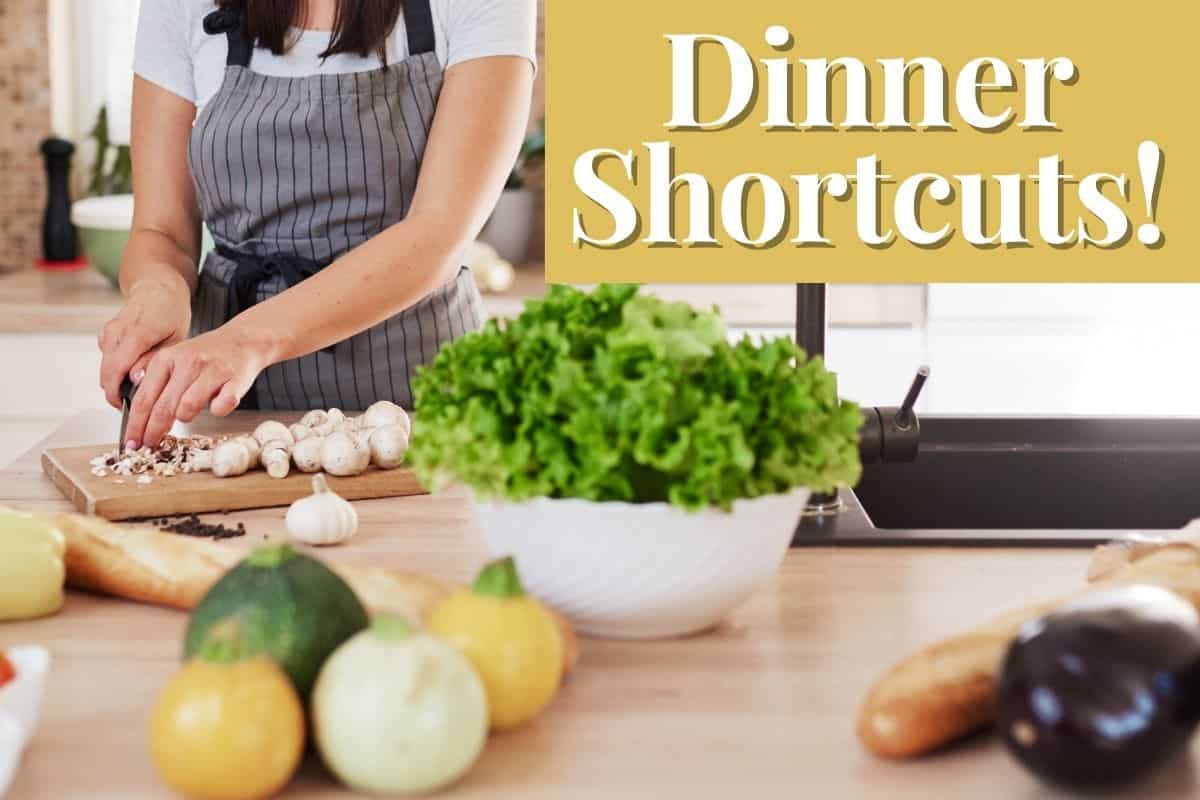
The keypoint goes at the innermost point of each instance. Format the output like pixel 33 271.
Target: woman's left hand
pixel 214 369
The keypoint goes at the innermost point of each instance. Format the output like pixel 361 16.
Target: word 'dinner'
pixel 1024 206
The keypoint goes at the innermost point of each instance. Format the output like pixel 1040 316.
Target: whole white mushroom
pixel 388 445
pixel 273 431
pixel 252 445
pixel 307 454
pixel 384 412
pixel 314 418
pixel 276 458
pixel 344 454
pixel 231 458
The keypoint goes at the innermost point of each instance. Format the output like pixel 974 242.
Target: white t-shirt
pixel 174 52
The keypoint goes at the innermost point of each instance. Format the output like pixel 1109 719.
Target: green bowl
pixel 104 249
pixel 103 224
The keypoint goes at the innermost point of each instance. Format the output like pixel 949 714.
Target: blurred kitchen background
pixel 994 349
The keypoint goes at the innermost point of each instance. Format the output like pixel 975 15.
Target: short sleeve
pixel 162 53
pixel 481 28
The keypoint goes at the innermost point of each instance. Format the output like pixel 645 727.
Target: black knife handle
pixel 127 390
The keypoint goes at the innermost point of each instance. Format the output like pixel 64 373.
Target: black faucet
pixel 890 434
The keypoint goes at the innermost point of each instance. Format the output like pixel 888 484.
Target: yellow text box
pixel 1040 142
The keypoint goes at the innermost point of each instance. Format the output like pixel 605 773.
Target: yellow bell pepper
pixel 31 566
pixel 511 640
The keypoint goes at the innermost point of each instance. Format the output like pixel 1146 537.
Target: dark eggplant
pixel 1097 694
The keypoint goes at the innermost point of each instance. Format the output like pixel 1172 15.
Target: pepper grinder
pixel 60 244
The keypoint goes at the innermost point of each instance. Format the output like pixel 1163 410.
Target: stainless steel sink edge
pixel 851 527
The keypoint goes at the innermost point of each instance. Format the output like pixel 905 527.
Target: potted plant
pixel 510 228
pixel 105 218
pixel 645 473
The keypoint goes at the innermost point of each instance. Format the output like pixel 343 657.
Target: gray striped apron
pixel 290 174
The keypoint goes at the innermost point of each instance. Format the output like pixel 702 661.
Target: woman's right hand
pixel 155 315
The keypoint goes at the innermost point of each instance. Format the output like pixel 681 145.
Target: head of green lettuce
pixel 614 395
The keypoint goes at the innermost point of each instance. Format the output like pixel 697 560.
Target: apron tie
pixel 251 270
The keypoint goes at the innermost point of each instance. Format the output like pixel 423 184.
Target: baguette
pixel 946 690
pixel 1112 557
pixel 140 563
pixel 150 566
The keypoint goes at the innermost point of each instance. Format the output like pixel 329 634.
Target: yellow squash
pixel 31 567
pixel 510 638
pixel 227 726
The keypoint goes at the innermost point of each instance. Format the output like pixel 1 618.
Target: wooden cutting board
pixel 71 471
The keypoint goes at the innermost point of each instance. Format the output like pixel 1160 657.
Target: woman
pixel 343 154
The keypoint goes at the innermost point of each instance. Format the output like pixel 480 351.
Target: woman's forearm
pixel 374 281
pixel 154 259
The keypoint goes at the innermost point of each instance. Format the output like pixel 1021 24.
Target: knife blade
pixel 128 389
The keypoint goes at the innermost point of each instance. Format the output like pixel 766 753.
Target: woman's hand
pixel 155 315
pixel 214 369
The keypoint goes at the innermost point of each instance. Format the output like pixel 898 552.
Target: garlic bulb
pixel 322 518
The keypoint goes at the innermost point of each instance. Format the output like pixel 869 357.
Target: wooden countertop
pixel 760 708
pixel 33 301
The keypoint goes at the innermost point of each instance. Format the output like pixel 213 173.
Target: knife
pixel 128 389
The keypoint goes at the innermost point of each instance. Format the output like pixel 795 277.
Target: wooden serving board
pixel 71 471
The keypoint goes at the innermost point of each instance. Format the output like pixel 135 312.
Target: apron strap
pixel 229 22
pixel 418 20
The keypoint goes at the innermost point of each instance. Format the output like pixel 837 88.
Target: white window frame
pixel 91 64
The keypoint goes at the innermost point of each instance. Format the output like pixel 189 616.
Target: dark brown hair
pixel 360 27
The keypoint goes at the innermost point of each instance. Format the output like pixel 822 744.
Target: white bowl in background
pixel 20 706
pixel 642 570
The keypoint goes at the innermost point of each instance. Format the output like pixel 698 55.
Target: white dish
pixel 642 571
pixel 20 707
pixel 108 213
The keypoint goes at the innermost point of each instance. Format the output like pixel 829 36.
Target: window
pixel 91 53
pixel 1033 350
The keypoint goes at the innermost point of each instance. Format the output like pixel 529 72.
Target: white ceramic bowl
pixel 20 707
pixel 642 571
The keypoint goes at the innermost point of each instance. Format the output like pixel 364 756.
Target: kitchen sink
pixel 1039 481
